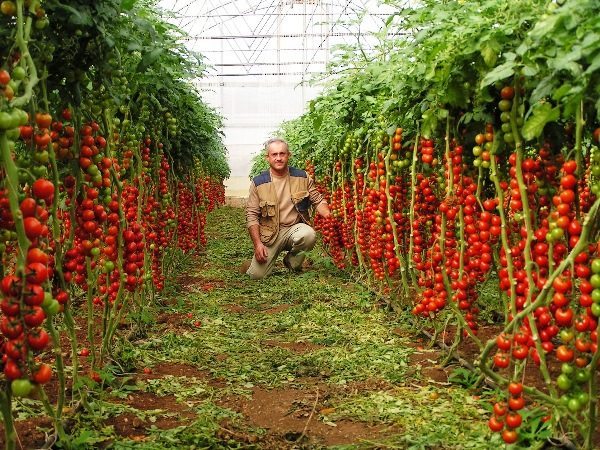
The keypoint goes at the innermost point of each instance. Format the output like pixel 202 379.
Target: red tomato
pixel 38 339
pixel 33 227
pixel 12 370
pixel 503 342
pixel 43 189
pixel 11 328
pixel 36 273
pixel 516 403
pixel 495 424
pixel 564 353
pixel 510 436
pixel 513 419
pixel 43 374
pixel 507 93
pixel 35 317
pixel 501 360
pixel 515 388
pixel 500 409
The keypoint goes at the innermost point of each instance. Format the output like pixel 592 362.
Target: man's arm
pixel 316 198
pixel 260 251
pixel 252 215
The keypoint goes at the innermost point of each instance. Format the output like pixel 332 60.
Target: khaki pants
pixel 294 239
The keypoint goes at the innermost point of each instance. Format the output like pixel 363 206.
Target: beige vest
pixel 269 203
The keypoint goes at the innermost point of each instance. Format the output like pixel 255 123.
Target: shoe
pixel 245 266
pixel 286 263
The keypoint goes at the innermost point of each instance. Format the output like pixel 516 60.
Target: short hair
pixel 273 140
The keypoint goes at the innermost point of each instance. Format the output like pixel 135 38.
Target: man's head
pixel 277 155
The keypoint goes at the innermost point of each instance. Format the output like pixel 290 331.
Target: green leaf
pixel 133 46
pixel 594 64
pixel 127 5
pixel 501 72
pixel 529 71
pixel 544 27
pixel 76 17
pixel 542 113
pixel 388 104
pixel 561 91
pixel 148 59
pixel 543 89
pixel 317 121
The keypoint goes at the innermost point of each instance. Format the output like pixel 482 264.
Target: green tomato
pixel 563 382
pixel 52 308
pixel 504 105
pixel 582 376
pixel 13 133
pixel 557 233
pixel 595 280
pixel 40 171
pixel 596 295
pixel 567 369
pixel 477 150
pixel 41 157
pixel 93 170
pixel 595 309
pixel 583 398
pixel 21 387
pixel 18 73
pixel 7 121
pixel 596 265
pixel 567 335
pixel 574 404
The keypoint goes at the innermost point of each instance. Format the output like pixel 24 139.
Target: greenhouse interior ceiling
pixel 262 55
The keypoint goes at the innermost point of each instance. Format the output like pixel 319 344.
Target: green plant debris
pixel 294 332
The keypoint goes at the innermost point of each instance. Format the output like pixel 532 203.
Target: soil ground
pixel 297 361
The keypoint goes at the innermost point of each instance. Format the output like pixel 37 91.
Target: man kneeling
pixel 277 212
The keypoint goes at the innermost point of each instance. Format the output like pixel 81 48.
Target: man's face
pixel 278 156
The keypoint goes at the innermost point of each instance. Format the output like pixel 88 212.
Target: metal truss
pixel 269 37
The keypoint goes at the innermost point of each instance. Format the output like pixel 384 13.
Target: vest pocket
pixel 267 209
pixel 268 226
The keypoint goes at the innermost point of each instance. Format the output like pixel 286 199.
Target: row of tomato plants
pixel 463 171
pixel 422 222
pixel 91 209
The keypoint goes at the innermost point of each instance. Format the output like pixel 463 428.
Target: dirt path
pixel 302 361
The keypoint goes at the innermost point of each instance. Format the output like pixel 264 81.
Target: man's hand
pixel 260 253
pixel 323 210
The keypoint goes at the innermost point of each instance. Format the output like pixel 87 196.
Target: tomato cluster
pixel 26 297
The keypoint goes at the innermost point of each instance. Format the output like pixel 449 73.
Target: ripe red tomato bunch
pixel 506 418
pixel 26 299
